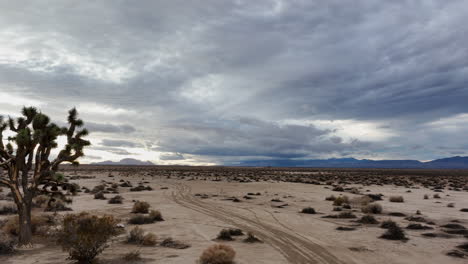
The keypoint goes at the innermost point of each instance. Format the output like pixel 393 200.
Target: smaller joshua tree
pixel 25 167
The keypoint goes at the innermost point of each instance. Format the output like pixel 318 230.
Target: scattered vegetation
pixel 368 219
pixel 118 199
pixel 394 232
pixel 251 238
pixel 224 234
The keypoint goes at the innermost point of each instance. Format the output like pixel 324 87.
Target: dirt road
pixel 296 248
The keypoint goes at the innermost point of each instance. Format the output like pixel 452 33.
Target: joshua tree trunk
pixel 25 228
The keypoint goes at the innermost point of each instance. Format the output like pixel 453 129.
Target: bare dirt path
pixel 297 249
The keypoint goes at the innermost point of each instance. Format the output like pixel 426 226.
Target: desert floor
pixel 195 210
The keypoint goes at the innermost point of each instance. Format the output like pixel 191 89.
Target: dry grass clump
pixel 7 244
pixel 132 256
pixel 156 216
pixel 85 236
pixel 396 199
pixel 236 232
pixel 100 196
pixel 149 239
pixel 218 254
pixel 251 238
pixel 340 200
pixel 308 210
pixel 57 205
pixel 37 222
pixel 171 243
pixel 394 232
pixel 9 208
pixel 140 207
pixel 224 235
pixel 136 235
pixel 40 200
pixel 118 199
pixel 372 208
pixel 330 198
pixel 368 219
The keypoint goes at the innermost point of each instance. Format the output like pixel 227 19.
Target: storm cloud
pixel 214 81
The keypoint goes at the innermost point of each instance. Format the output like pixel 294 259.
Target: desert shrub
pixel 251 238
pixel 368 219
pixel 140 207
pixel 57 205
pixel 464 210
pixel 218 254
pixel 396 199
pixel 372 208
pixel 345 228
pixel 341 200
pixel 100 196
pixel 453 226
pixel 149 239
pixel 397 214
pixel 330 198
pixel 451 205
pixel 235 232
pixel 7 244
pixel 418 227
pixel 9 208
pixel 136 235
pixel 394 232
pixel 362 200
pixel 118 199
pixel 463 247
pixel 85 236
pixel 346 215
pixel 155 216
pixel 387 223
pixel 132 256
pixel 171 243
pixel 308 210
pixel 436 196
pixel 140 219
pixel 12 224
pixel 337 209
pixel 426 197
pixel 41 200
pixel 338 189
pixel 224 235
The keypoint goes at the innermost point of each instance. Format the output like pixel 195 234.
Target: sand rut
pixel 294 247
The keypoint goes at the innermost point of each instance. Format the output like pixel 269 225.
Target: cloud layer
pixel 203 82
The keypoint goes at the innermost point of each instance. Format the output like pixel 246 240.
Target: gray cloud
pixel 231 73
pixel 120 143
pixel 109 128
pixel 172 156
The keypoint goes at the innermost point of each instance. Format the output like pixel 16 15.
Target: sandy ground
pixel 289 236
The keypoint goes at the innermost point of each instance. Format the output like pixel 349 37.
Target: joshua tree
pixel 25 159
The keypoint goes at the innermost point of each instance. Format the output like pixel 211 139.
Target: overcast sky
pixel 217 82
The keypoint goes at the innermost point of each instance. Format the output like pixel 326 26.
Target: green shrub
pixel 85 236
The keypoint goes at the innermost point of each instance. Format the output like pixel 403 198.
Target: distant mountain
pixel 127 161
pixel 446 163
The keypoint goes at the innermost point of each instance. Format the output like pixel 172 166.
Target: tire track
pixel 294 247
